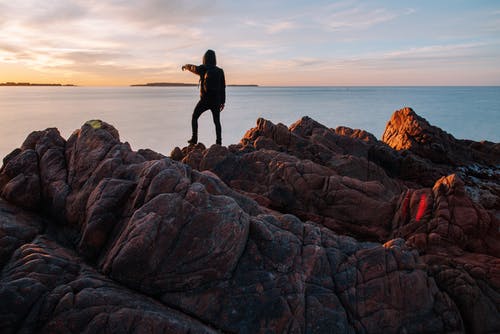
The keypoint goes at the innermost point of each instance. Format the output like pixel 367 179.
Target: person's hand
pixel 221 107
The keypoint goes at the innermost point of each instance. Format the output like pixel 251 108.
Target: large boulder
pixel 46 288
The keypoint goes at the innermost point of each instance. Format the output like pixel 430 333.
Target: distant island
pixel 33 84
pixel 180 84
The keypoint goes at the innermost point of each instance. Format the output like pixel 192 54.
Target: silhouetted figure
pixel 212 93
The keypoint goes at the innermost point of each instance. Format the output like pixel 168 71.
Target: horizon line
pixel 255 85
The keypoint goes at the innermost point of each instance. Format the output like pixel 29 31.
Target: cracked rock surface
pixel 303 229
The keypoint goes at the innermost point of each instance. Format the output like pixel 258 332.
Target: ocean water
pixel 159 117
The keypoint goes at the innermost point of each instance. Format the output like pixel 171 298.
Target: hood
pixel 209 58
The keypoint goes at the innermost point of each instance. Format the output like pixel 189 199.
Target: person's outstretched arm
pixel 191 68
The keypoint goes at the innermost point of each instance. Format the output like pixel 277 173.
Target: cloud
pixel 144 12
pixel 445 52
pixel 80 34
pixel 12 53
pixel 113 70
pixel 10 48
pixel 115 38
pixel 111 20
pixel 433 63
pixel 40 61
pixel 281 26
pixel 430 61
pixel 152 13
pixel 273 26
pixel 57 12
pixel 492 22
pixel 295 63
pixel 40 14
pixel 252 48
pixel 91 57
pixel 347 16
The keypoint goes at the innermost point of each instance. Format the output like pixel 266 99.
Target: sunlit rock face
pixel 408 131
pixel 476 163
pixel 294 229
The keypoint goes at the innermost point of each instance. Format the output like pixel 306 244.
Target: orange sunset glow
pixel 300 43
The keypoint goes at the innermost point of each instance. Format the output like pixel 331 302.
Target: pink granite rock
pixel 274 234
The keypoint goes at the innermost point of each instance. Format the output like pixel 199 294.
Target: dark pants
pixel 200 108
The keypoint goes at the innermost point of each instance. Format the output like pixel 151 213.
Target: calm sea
pixel 159 117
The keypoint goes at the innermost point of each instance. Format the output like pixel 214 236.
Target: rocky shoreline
pixel 294 229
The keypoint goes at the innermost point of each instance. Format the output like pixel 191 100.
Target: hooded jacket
pixel 217 91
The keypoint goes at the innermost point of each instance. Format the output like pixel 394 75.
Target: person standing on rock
pixel 212 94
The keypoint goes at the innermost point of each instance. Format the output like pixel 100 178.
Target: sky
pixel 273 42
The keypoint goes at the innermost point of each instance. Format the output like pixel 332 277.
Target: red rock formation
pixel 459 241
pixel 287 184
pixel 471 231
pixel 477 163
pixel 46 288
pixel 408 131
pixel 136 240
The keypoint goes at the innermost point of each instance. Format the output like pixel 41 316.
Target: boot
pixel 193 141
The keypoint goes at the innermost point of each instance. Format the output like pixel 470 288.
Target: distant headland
pixel 34 84
pixel 180 84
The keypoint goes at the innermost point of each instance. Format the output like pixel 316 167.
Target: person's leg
pixel 218 128
pixel 198 110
